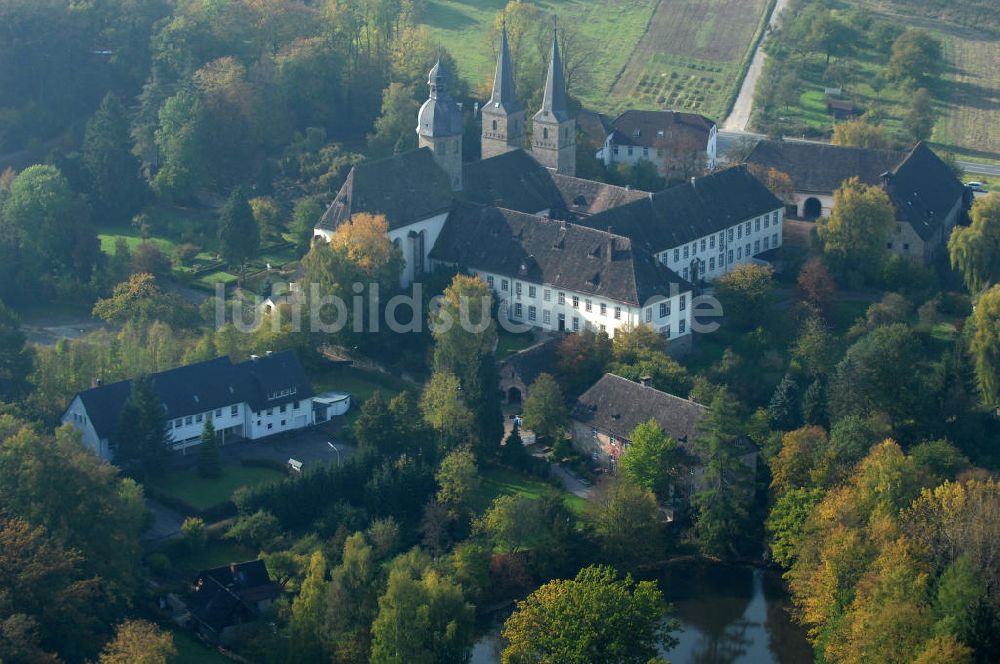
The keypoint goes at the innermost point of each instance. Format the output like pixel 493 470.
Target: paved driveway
pixel 310 446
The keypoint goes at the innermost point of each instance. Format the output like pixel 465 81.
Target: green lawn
pixel 192 651
pixel 498 481
pixel 109 236
pixel 361 384
pixel 217 552
pixel 510 342
pixel 203 493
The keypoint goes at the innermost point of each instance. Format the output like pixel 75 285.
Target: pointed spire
pixel 554 103
pixel 504 94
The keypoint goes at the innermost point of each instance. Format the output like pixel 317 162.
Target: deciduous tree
pixel 975 249
pixel 651 460
pixel 139 642
pixel 855 234
pixel 545 410
pixel 985 345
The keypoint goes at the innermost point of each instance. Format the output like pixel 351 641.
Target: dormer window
pixel 282 393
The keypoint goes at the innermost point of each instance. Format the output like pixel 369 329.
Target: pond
pixel 728 614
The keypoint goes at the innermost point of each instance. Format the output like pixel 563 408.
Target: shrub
pixel 257 530
pixel 193 533
pixel 186 252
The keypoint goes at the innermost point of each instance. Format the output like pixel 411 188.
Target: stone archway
pixel 812 208
pixel 514 397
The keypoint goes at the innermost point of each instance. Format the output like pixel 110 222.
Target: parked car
pixel 975 186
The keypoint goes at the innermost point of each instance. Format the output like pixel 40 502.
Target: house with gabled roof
pixel 679 144
pixel 260 397
pixel 927 197
pixel 231 595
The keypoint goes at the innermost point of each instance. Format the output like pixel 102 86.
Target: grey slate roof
pixel 820 168
pixel 516 181
pixel 689 211
pixel 504 94
pixel 406 188
pixel 563 254
pixel 924 190
pixel 228 595
pixel 617 405
pixel 661 128
pixel 204 386
pixel 533 361
pixel 554 106
pixel 439 116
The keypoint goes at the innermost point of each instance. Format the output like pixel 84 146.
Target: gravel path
pixel 739 117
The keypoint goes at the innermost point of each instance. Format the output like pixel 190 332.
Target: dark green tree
pixel 15 357
pixel 783 412
pixel 483 397
pixel 142 438
pixel 117 189
pixel 305 214
pixel 208 454
pixel 239 235
pixel 375 428
pixel 920 116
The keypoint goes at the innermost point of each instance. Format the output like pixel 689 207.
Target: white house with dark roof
pixel 703 228
pixel 679 144
pixel 562 276
pixel 253 399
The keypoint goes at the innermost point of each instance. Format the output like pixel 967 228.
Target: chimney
pixel 645 381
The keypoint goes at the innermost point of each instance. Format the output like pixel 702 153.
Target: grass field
pixel 192 651
pixel 691 57
pixel 203 493
pixel 501 481
pixel 359 382
pixel 680 54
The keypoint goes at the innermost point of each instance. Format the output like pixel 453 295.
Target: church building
pixel 560 252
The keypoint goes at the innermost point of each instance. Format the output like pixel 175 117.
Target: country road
pixel 739 117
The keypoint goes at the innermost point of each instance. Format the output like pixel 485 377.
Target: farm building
pixel 680 145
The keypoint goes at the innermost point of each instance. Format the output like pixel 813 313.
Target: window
pixel 576 301
pixel 664 309
pixel 630 150
pixel 774 239
pixel 270 425
pixel 545 133
pixel 711 263
pixel 645 152
pixel 730 234
pixel 547 317
pixel 199 417
pixel 604 328
pixel 494 125
pixel 756 224
pixel 282 409
pixel 615 150
pixel 188 420
pixel 888 245
pixel 234 410
pixel 576 324
pixel 756 246
pixel 748 228
pixel 665 330
pixel 906 247
pixel 739 232
pixel 686 251
pixel 531 291
pixel 618 313
pixel 683 302
pixel 722 260
pixel 604 309
pixel 746 252
pixel 562 298
pixel 677 255
pixel 517 288
pixel 681 325
pixel 722 238
pixel 531 313
pixel 730 255
pixel 739 253
pixel 270 412
pixel 547 295
pixel 517 310
pixel 489 280
pixel 685 274
pixel 283 422
pixel 703 243
pixel 588 305
pixel 767 242
pixel 503 285
pixel 177 423
pixel 649 314
pixel 767 220
pixel 711 242
pixel 295 406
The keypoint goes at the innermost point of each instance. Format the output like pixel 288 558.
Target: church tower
pixel 503 115
pixel 554 129
pixel 439 125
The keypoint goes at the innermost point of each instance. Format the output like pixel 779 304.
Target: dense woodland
pixel 870 386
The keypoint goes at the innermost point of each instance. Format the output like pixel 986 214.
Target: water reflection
pixel 729 615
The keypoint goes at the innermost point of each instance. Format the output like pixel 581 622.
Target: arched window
pixel 494 125
pixel 545 133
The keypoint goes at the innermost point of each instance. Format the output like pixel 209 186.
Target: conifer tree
pixel 208 459
pixel 117 189
pixel 239 235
